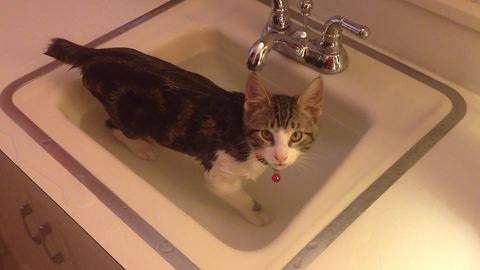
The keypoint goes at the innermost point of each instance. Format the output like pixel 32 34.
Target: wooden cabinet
pixel 38 232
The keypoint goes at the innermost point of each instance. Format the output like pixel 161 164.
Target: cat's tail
pixel 69 52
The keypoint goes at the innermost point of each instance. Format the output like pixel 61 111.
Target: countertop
pixel 430 219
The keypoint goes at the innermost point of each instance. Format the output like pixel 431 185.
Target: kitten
pixel 234 135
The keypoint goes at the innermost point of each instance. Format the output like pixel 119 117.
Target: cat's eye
pixel 266 135
pixel 296 136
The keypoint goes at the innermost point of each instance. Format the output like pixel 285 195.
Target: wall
pixel 429 40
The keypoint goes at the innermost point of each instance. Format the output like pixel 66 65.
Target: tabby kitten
pixel 234 135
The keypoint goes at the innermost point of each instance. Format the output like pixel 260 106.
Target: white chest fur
pixel 227 166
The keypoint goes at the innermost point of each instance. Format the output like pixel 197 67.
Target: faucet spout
pixel 258 53
pixel 283 43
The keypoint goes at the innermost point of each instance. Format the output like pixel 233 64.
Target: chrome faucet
pixel 323 52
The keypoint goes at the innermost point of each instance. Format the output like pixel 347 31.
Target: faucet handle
pixel 332 33
pixel 361 31
pixel 333 27
pixel 279 17
pixel 306 7
pixel 329 56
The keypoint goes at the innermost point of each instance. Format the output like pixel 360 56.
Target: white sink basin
pixel 374 114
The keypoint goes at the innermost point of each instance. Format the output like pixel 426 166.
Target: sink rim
pixel 328 234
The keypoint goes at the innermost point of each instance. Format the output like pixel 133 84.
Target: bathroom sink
pixel 374 114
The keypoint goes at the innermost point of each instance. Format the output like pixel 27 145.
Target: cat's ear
pixel 255 94
pixel 311 99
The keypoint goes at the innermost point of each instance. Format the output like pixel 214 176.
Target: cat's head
pixel 279 127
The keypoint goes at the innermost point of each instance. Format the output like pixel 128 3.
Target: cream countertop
pixel 430 219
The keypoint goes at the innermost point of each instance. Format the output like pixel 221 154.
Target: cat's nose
pixel 280 158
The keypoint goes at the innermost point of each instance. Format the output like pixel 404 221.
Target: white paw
pixel 259 218
pixel 143 149
pixel 146 152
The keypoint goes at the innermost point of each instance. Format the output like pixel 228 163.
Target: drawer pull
pixel 56 257
pixel 26 210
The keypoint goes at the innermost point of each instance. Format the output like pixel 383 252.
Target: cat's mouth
pixel 275 167
pixel 278 167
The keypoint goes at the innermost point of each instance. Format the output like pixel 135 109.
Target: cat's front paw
pixel 259 218
pixel 257 215
pixel 146 152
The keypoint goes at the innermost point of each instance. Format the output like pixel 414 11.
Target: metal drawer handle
pixel 56 257
pixel 26 210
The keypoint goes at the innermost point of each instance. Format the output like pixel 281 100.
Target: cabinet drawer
pixel 41 235
pixel 12 228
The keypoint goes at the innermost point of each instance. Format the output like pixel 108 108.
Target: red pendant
pixel 276 177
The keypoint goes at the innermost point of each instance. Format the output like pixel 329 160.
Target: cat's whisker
pixel 303 166
pixel 306 162
pixel 310 155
